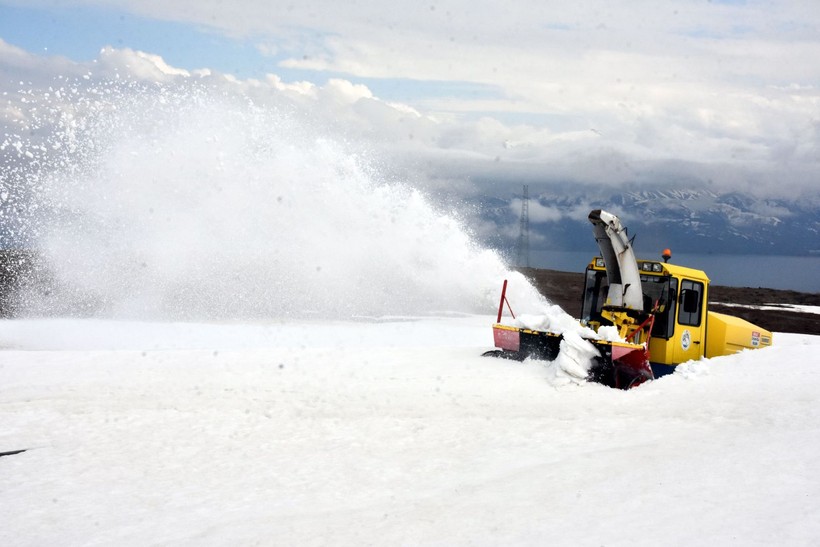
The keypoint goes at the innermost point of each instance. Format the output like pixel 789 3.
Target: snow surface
pixel 777 307
pixel 391 432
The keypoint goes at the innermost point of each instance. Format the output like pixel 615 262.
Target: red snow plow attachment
pixel 619 364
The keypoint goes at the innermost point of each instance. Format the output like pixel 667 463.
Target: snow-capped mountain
pixel 691 221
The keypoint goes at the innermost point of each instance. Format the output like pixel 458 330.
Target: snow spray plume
pixel 181 202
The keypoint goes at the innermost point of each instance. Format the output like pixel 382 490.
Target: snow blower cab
pixel 637 309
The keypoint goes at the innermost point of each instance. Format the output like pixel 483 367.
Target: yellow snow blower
pixel 659 311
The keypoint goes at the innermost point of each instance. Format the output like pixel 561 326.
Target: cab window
pixel 659 297
pixel 596 287
pixel 690 304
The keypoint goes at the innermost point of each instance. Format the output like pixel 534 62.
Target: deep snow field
pixel 391 432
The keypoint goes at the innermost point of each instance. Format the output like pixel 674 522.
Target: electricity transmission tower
pixel 523 248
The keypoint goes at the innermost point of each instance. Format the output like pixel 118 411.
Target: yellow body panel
pixel 682 271
pixel 728 334
pixel 662 350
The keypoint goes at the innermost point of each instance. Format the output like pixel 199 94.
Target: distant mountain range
pixel 688 221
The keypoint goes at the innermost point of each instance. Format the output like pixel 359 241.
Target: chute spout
pixel 619 260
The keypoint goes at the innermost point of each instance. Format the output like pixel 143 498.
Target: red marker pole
pixel 501 304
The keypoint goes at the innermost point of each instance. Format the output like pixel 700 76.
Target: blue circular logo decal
pixel 686 340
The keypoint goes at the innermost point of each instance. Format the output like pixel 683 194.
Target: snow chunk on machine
pixel 642 317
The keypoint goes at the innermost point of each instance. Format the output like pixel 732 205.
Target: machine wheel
pixel 627 379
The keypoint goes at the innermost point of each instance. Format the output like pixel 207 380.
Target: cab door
pixel 690 324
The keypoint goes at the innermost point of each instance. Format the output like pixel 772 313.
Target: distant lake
pixel 798 273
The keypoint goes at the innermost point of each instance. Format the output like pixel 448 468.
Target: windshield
pixel 659 294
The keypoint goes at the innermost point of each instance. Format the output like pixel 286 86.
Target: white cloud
pixel 347 92
pixel 19 67
pixel 137 64
pixel 536 212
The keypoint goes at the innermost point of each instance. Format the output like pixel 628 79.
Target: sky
pixel 719 93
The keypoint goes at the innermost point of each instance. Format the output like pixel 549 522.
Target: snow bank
pixel 574 360
pixel 555 319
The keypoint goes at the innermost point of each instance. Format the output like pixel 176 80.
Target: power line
pixel 523 248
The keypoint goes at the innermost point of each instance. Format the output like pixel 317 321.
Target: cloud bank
pixel 700 94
